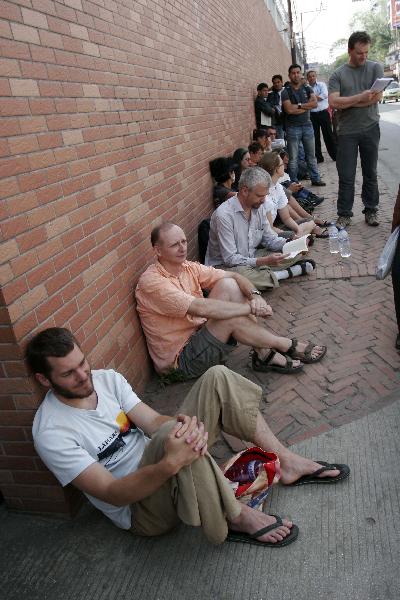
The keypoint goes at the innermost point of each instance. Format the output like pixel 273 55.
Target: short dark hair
pixel 277 77
pixel 311 71
pixel 257 133
pixel 255 147
pixel 54 341
pixel 358 37
pixel 261 86
pixel 294 66
pixel 221 168
pixel 156 231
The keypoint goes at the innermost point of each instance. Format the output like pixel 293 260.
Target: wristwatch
pixel 299 105
pixel 256 292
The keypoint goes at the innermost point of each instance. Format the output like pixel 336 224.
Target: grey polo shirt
pixel 234 239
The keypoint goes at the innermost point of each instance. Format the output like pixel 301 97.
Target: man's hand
pixel 295 187
pixel 273 260
pixel 186 422
pixel 366 96
pixel 259 308
pixel 186 442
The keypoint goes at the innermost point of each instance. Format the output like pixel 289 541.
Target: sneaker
pixel 371 218
pixel 316 200
pixel 318 183
pixel 343 222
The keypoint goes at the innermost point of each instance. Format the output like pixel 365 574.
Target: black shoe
pixel 315 200
pixel 371 217
pixel 320 160
pixel 318 183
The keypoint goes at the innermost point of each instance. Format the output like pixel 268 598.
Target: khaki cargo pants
pixel 199 494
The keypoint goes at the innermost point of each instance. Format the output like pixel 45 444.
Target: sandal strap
pixel 265 530
pixel 289 270
pixel 292 348
pixel 326 467
pixel 308 349
pixel 263 361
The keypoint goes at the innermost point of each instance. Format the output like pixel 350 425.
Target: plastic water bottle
pixel 344 243
pixel 333 239
pixel 245 473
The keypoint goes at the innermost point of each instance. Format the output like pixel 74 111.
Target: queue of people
pixel 146 471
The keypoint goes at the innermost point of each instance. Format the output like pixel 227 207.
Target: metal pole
pixel 302 40
pixel 292 46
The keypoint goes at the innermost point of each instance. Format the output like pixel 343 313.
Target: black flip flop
pixel 344 472
pixel 251 538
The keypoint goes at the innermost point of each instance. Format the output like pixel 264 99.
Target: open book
pixel 294 247
pixel 381 84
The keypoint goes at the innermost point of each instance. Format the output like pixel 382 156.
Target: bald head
pixel 157 232
pixel 170 245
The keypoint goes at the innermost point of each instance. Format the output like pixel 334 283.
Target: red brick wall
pixel 110 113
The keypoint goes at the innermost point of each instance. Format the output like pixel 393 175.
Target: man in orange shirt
pixel 187 333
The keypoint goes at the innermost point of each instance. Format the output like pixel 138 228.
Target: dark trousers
pixel 396 282
pixel 322 122
pixel 366 142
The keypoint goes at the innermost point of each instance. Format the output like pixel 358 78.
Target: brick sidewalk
pixel 340 305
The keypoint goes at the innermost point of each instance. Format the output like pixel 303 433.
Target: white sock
pixel 296 270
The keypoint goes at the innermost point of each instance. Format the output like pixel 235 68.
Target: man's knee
pixel 217 373
pixel 225 286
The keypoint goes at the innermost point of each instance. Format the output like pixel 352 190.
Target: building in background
pixel 392 61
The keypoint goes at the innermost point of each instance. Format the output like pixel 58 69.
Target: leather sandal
pixel 264 365
pixel 305 356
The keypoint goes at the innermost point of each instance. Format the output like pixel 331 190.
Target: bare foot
pixel 251 520
pixel 294 466
pixel 315 352
pixel 278 359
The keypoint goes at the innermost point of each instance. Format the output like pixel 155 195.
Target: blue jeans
pixel 294 135
pixel 280 134
pixel 367 142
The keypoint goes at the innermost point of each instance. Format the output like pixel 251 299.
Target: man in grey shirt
pixel 358 128
pixel 242 239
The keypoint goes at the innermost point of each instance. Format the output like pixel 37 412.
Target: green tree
pixel 375 23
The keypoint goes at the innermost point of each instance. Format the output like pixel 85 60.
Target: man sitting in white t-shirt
pixel 92 430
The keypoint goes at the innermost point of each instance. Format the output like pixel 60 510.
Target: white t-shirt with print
pixel 69 439
pixel 275 199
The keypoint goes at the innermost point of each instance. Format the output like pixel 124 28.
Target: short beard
pixel 65 393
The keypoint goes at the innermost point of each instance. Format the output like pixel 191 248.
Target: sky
pixel 323 27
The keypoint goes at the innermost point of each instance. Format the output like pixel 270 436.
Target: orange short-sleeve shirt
pixel 163 300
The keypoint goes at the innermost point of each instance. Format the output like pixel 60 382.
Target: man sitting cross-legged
pixel 92 430
pixel 240 226
pixel 187 333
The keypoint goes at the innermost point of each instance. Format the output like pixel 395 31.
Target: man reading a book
pixel 242 239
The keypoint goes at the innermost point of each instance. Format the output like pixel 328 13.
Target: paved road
pixel 389 148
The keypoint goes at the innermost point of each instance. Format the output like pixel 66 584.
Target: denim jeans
pixel 366 142
pixel 294 135
pixel 280 133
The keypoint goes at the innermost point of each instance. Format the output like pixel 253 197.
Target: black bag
pixel 203 233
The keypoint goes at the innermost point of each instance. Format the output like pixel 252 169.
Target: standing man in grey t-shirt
pixel 358 128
